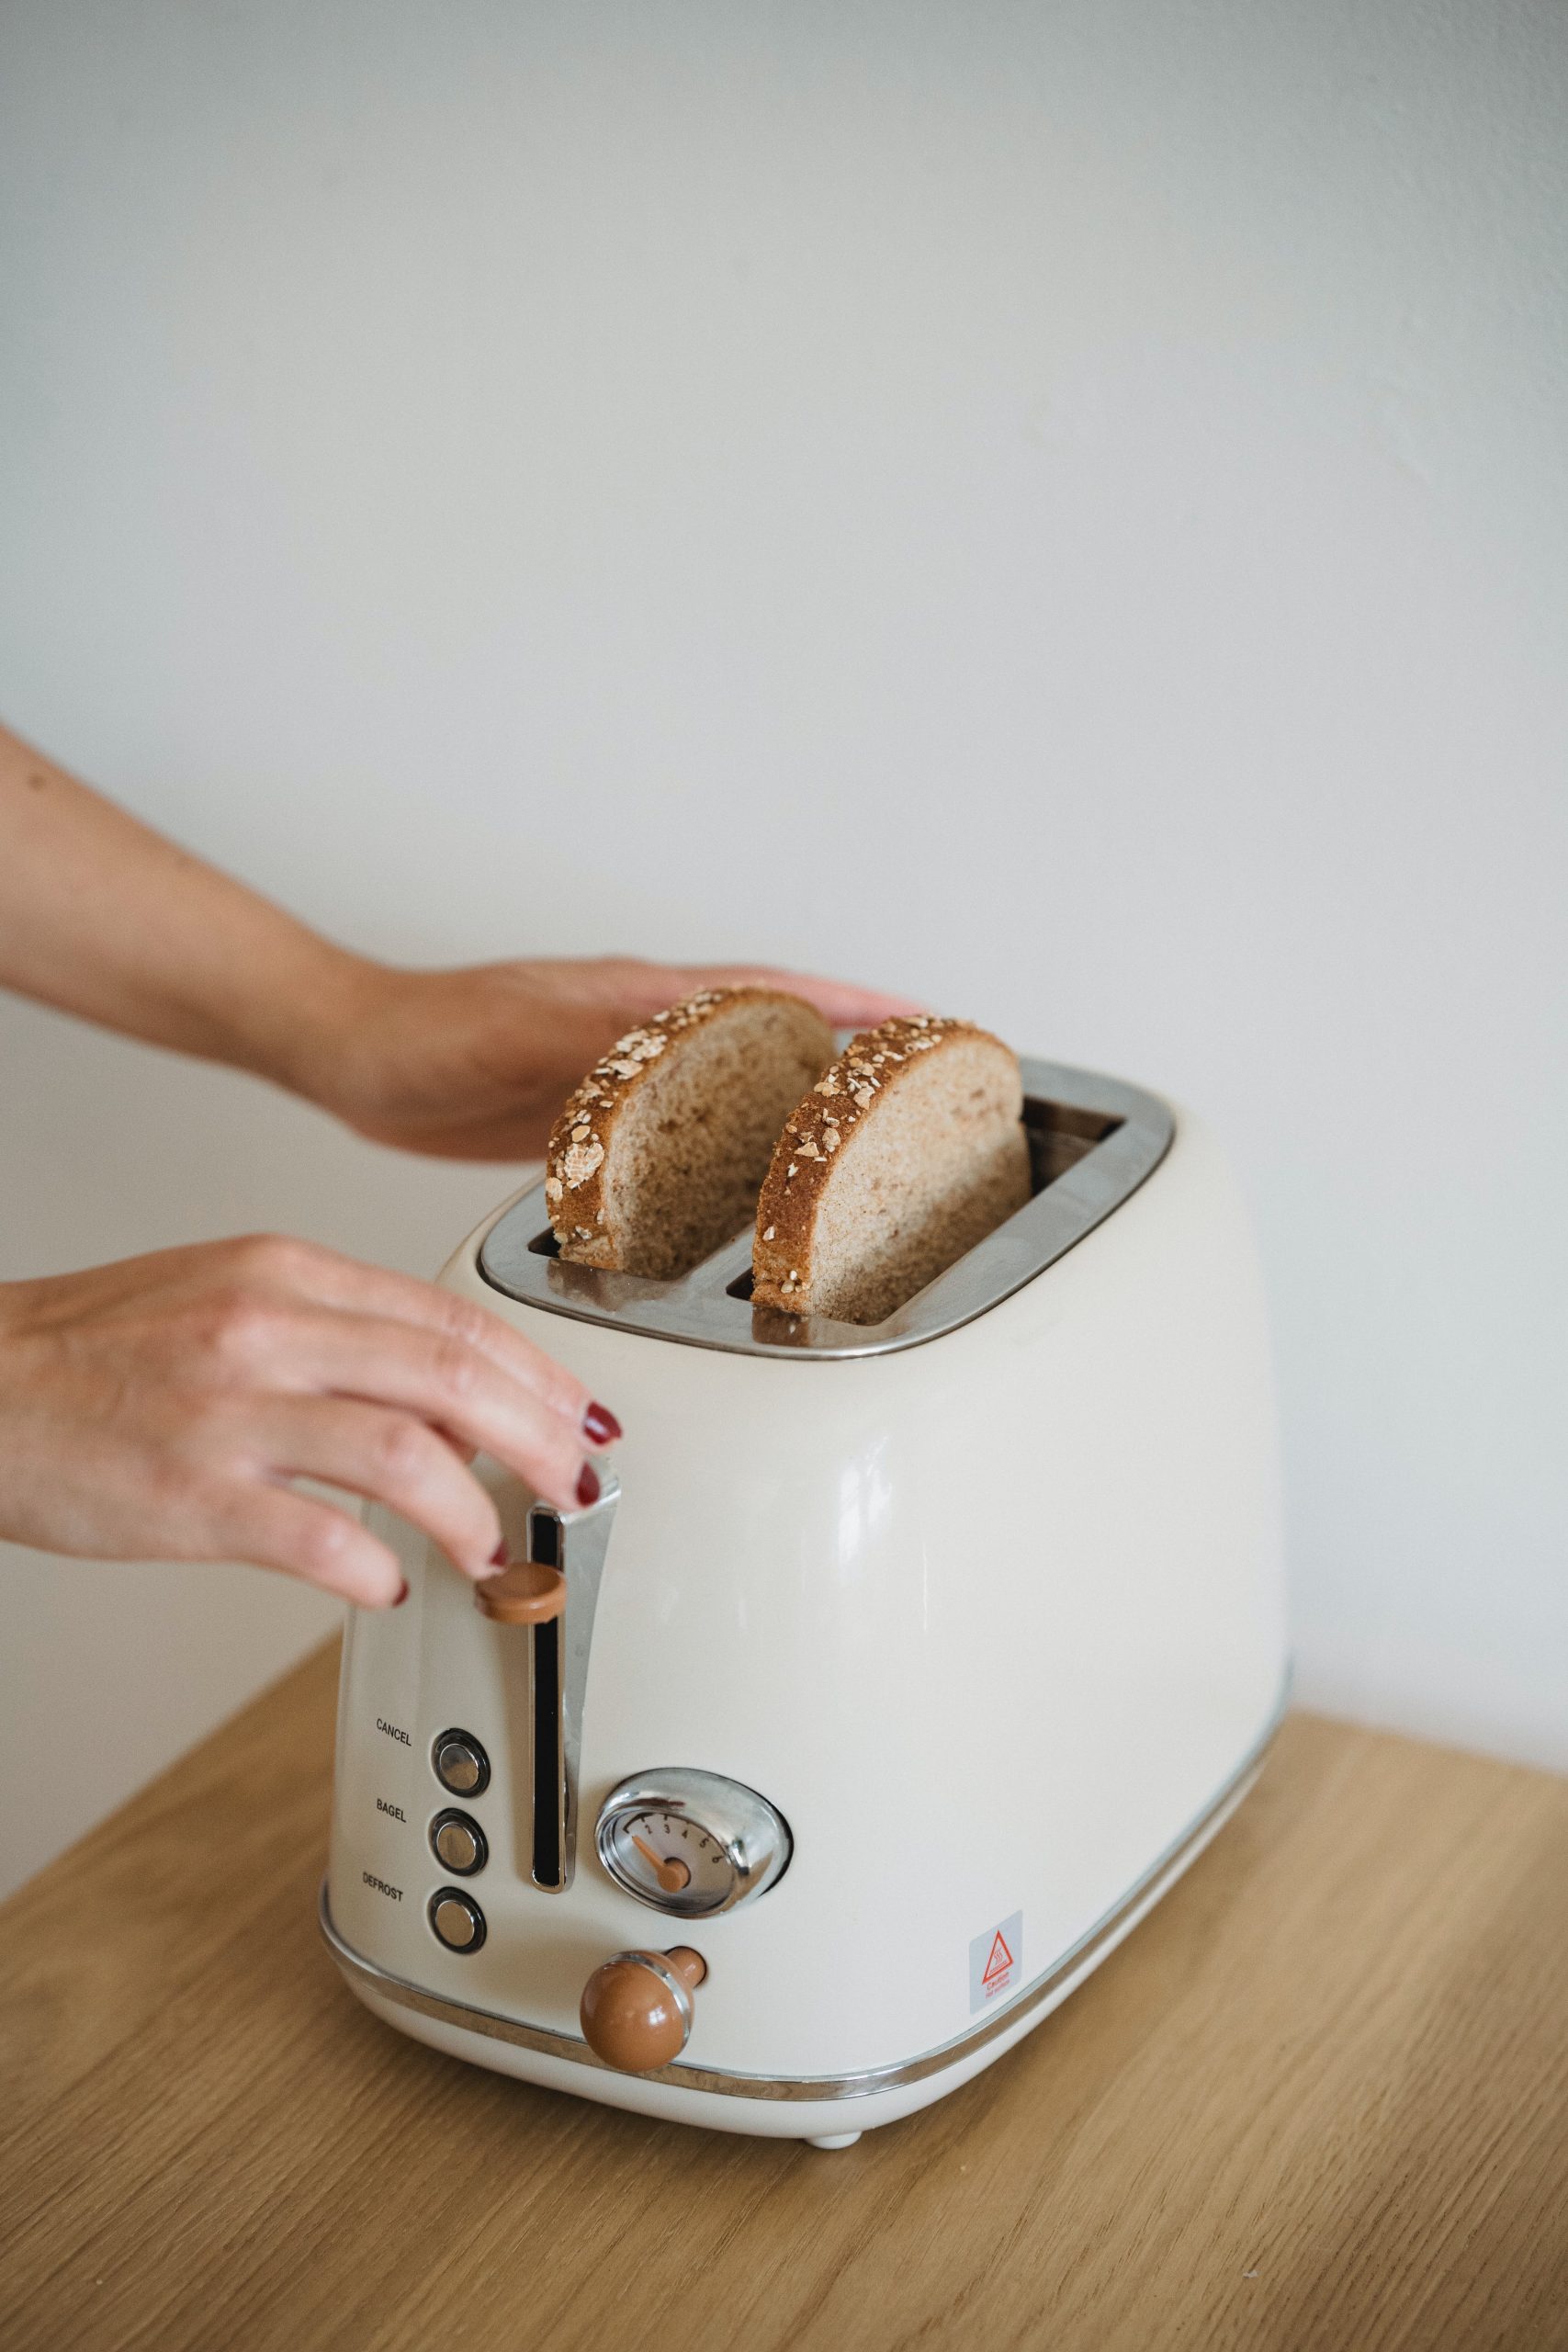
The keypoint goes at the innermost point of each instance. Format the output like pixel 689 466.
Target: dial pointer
pixel 671 1876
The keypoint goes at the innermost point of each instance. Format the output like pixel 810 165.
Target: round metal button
pixel 461 1764
pixel 458 1844
pixel 457 1919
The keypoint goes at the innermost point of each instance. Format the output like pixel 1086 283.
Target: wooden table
pixel 1319 2098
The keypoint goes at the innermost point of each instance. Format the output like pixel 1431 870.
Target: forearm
pixel 103 918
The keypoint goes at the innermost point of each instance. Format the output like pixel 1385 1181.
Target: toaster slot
pixel 1092 1142
pixel 1060 1135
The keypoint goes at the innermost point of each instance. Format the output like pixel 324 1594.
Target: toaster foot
pixel 835 2140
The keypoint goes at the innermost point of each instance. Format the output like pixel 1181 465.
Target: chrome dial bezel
pixel 752 1835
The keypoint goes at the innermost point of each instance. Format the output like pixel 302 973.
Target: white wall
pixel 1058 508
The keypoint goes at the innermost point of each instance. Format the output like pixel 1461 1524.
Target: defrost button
pixel 456 1919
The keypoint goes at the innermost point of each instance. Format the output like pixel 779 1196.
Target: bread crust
pixel 584 1134
pixel 870 1067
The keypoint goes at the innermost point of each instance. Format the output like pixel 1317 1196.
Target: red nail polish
pixel 403 1594
pixel 588 1485
pixel 600 1425
pixel 498 1557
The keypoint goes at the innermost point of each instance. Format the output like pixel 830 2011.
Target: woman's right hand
pixel 161 1408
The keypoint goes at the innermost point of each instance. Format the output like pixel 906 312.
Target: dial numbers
pixel 666 1859
pixel 691 1843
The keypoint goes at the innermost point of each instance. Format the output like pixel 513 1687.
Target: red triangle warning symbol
pixel 999 1960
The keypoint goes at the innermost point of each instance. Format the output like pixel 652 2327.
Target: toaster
pixel 897 1672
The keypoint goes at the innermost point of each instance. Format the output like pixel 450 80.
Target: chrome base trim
pixel 682 2076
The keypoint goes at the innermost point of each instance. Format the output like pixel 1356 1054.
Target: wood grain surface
pixel 1319 2099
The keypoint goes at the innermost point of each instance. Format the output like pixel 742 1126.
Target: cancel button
pixel 461 1764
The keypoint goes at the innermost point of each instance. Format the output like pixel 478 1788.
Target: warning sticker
pixel 996 1961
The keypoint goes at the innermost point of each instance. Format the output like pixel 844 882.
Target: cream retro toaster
pixel 893 1677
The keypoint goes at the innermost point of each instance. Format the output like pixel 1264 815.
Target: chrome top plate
pixel 1094 1141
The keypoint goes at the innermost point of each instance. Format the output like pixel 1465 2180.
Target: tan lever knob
pixel 636 2008
pixel 526 1593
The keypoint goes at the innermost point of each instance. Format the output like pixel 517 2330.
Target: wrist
pixel 303 1029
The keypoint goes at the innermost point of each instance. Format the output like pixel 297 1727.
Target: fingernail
pixel 600 1425
pixel 587 1486
pixel 498 1557
pixel 403 1594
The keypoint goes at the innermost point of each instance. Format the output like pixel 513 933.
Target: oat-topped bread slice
pixel 908 1151
pixel 656 1159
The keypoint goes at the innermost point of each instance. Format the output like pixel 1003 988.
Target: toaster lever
pixel 528 1592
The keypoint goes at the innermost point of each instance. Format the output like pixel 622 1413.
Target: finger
pixel 839 1002
pixel 392 1458
pixel 301 1270
pixel 272 1528
pixel 461 1393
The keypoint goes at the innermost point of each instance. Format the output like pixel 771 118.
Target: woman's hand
pixel 106 920
pixel 161 1408
pixel 475 1064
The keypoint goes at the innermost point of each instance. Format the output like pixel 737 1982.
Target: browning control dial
pixel 691 1843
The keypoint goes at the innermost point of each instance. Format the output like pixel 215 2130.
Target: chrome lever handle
pixel 574 1544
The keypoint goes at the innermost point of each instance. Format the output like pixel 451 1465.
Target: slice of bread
pixel 908 1151
pixel 656 1159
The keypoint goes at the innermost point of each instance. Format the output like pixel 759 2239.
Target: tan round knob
pixel 525 1593
pixel 636 2008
